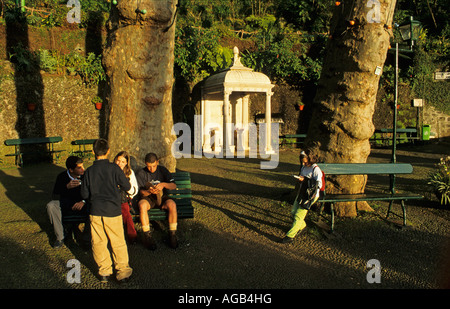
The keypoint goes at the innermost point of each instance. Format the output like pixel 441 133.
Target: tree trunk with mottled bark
pixel 341 124
pixel 139 59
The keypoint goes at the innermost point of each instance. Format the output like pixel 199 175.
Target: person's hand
pixel 145 192
pixel 73 184
pixel 301 178
pixel 156 189
pixel 78 206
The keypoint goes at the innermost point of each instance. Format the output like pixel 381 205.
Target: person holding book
pixel 308 192
pixel 153 180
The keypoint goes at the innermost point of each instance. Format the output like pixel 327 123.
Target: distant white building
pixel 225 107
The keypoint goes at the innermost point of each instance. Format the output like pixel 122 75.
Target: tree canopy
pixel 284 39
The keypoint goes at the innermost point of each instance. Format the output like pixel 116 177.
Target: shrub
pixel 440 180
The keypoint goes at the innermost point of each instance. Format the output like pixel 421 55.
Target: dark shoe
pixel 148 241
pixel 124 280
pixel 58 244
pixel 132 241
pixel 173 241
pixel 287 240
pixel 104 279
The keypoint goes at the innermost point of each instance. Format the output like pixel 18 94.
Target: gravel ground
pixel 233 242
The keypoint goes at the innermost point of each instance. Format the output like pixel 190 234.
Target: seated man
pixel 152 181
pixel 67 199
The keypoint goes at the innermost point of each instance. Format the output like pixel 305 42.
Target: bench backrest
pixel 399 130
pixel 83 142
pixel 294 135
pixel 365 168
pixel 33 140
pixel 183 190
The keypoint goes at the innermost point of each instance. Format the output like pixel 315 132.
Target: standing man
pixel 101 187
pixel 66 199
pixel 153 180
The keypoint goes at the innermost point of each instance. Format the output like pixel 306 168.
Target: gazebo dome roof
pixel 237 78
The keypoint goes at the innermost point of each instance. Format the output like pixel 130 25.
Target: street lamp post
pixel 409 32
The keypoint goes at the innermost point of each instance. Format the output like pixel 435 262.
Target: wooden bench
pixel 82 151
pixel 391 169
pixel 19 142
pixel 292 139
pixel 182 196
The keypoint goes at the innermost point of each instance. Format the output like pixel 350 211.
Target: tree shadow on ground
pixel 29 190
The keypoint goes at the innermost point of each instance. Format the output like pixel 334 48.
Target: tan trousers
pixel 104 229
pixel 55 216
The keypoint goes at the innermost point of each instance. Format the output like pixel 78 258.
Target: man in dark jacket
pixel 101 187
pixel 66 199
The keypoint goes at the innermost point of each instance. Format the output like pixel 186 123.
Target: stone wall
pixel 439 122
pixel 64 108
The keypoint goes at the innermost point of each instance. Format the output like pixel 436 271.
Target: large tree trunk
pixel 341 124
pixel 139 59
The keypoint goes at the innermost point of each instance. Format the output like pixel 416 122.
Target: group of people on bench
pixel 106 193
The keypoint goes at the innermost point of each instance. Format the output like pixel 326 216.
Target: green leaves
pixel 199 54
pixel 89 68
pixel 440 180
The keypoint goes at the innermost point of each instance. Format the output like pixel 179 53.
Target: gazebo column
pixel 206 134
pixel 203 111
pixel 245 120
pixel 268 122
pixel 227 136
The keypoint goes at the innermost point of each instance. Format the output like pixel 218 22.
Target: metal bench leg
pixel 332 217
pixel 404 212
pixel 389 209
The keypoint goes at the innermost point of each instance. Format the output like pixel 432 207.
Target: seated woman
pixel 122 159
pixel 308 193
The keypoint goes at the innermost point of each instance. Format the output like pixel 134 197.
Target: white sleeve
pixel 134 186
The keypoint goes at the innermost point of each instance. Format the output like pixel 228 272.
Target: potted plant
pixel 31 106
pixel 440 180
pixel 98 102
pixel 299 106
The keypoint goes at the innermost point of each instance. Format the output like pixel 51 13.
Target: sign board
pixel 441 75
pixel 417 103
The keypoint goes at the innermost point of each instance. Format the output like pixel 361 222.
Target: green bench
pixel 385 135
pixel 82 151
pixel 292 139
pixel 19 142
pixel 391 169
pixel 182 196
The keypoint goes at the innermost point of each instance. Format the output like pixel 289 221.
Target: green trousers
pixel 299 213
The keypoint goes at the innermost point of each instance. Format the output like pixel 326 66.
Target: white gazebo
pixel 225 107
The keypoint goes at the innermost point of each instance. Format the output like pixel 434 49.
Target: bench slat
pixel 33 140
pixel 399 130
pixel 83 142
pixel 365 168
pixel 333 198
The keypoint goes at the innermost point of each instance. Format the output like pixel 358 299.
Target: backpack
pixel 322 188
